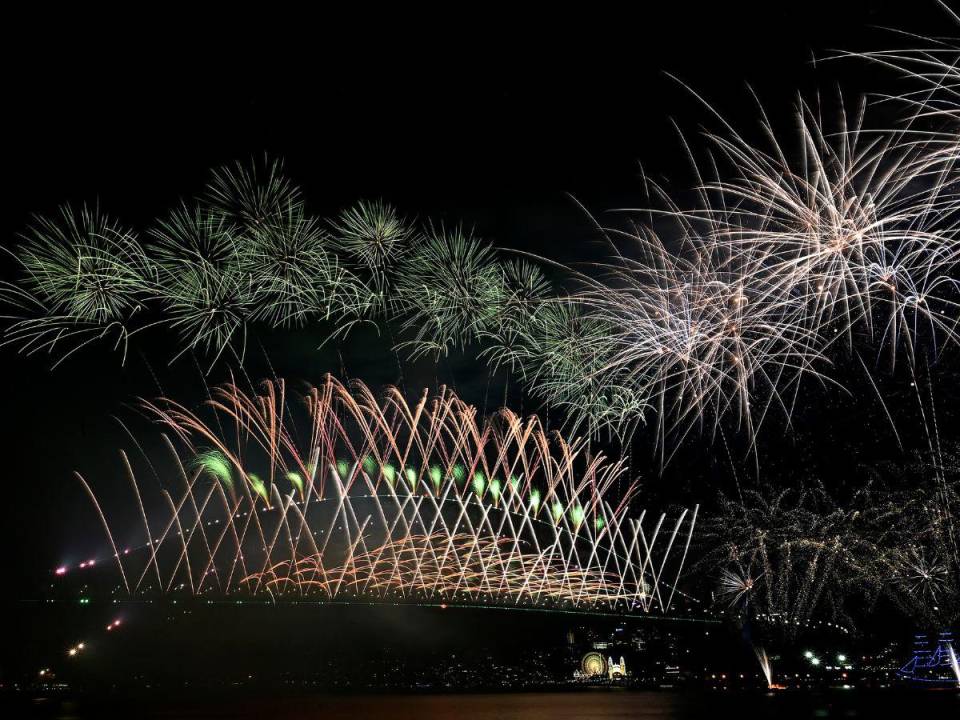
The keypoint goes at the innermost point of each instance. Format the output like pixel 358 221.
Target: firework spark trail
pixel 954 664
pixel 389 500
pixel 715 313
pixel 845 232
pixel 765 665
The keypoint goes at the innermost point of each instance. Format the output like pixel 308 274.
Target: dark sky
pixel 488 118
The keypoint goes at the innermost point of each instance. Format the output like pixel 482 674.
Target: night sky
pixel 501 122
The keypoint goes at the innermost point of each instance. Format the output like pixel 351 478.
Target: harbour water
pixel 601 704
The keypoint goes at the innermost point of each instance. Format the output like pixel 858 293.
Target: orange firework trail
pixel 385 500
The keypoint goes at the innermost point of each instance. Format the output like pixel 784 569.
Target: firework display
pixel 787 556
pixel 780 266
pixel 630 412
pixel 838 238
pixel 385 500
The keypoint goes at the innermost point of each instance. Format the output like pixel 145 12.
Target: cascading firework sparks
pixel 389 501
